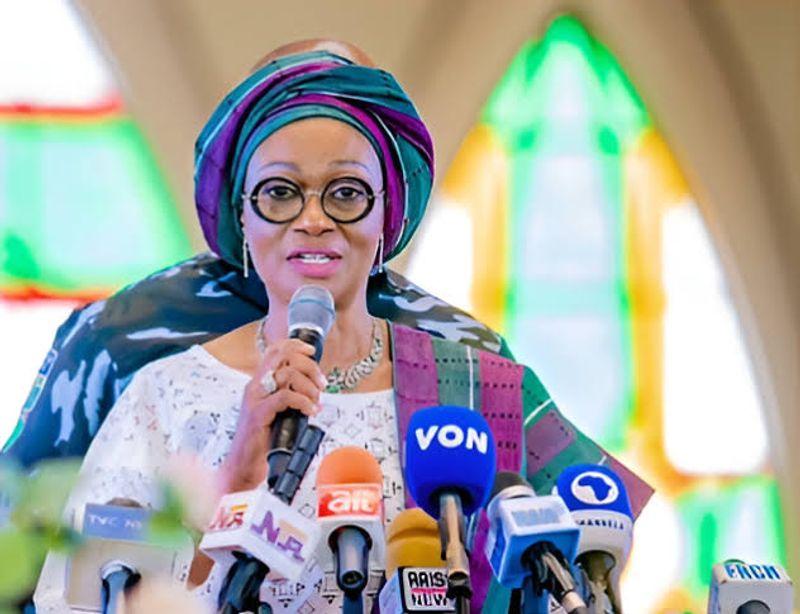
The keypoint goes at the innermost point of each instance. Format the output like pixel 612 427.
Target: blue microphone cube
pixel 516 524
pixel 449 448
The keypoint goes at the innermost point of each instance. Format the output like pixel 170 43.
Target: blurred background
pixel 617 194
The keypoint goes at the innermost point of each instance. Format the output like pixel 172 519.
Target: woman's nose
pixel 313 218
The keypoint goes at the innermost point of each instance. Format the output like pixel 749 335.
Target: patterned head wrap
pixel 295 87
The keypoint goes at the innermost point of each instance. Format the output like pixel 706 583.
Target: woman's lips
pixel 316 264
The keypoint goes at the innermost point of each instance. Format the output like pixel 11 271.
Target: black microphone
pixel 253 558
pixel 294 443
pixel 753 607
pixel 311 315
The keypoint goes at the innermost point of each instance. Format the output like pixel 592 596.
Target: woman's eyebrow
pixel 348 162
pixel 290 165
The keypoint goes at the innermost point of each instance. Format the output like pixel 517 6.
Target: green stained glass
pixel 566 114
pixel 570 122
pixel 569 66
pixel 83 207
pixel 741 520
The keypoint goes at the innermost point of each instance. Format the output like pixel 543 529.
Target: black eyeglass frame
pixel 371 196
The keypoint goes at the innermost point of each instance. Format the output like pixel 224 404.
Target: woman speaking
pixel 316 169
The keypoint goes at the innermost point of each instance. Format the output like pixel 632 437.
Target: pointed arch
pixel 591 216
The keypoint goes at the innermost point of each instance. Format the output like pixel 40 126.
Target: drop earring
pixel 244 257
pixel 380 254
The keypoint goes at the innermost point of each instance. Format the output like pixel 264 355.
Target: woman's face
pixel 313 248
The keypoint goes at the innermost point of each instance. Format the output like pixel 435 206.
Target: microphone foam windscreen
pixel 311 307
pixel 449 448
pixel 412 540
pixel 591 487
pixel 349 465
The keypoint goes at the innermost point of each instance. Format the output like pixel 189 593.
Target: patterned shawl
pixel 532 436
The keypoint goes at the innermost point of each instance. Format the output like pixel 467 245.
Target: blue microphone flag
pixel 593 487
pixel 449 448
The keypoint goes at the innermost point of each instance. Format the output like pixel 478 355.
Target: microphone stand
pixel 242 584
pixel 453 535
pixel 353 603
pixel 351 550
pixel 600 594
pixel 549 574
pixel 117 579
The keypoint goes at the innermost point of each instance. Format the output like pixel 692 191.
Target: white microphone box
pixel 260 524
pixel 116 533
pixel 734 583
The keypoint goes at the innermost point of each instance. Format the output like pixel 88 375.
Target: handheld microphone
pixel 116 556
pixel 311 315
pixel 532 540
pixel 240 589
pixel 598 501
pixel 739 588
pixel 350 514
pixel 414 566
pixel 449 465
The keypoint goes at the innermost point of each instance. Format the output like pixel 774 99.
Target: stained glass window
pixel 590 255
pixel 84 208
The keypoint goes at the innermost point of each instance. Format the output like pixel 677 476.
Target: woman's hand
pixel 299 384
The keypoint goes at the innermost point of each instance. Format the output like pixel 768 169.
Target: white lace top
pixel 189 403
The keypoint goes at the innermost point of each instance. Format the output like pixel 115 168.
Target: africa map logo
pixel 594 488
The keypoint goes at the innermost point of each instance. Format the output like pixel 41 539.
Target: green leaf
pixel 22 557
pixel 44 493
pixel 167 526
pixel 60 537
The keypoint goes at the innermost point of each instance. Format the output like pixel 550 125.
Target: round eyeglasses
pixel 345 200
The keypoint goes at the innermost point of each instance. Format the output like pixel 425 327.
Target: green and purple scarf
pixel 292 88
